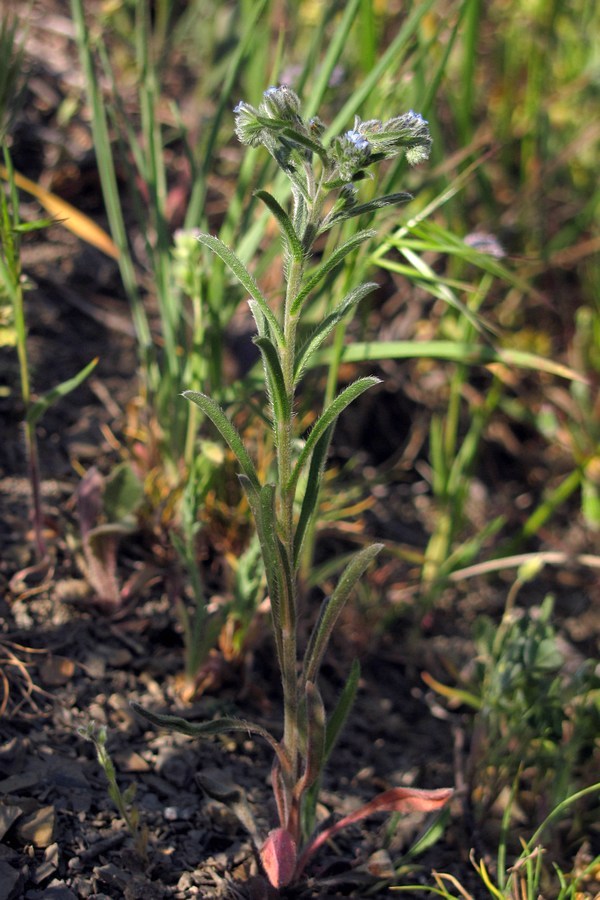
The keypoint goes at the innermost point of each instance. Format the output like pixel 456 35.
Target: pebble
pixel 8 815
pixel 95 665
pixel 8 880
pixel 37 828
pixel 56 671
pixel 56 890
pixel 49 865
pixel 130 762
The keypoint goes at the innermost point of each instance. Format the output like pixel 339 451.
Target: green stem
pixel 14 285
pixel 284 454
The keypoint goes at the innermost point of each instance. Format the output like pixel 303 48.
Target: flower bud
pixel 247 124
pixel 281 103
pixel 408 133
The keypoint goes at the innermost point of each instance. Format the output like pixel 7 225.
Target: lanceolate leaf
pixel 264 530
pixel 245 279
pixel 259 318
pixel 332 607
pixel 371 206
pixel 293 242
pixel 311 494
pixel 315 737
pixel 328 324
pixel 400 799
pixel 338 255
pixel 275 380
pixel 328 418
pixel 308 143
pixel 230 434
pixel 215 726
pixel 281 577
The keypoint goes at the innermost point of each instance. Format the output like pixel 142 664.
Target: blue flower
pixel 359 141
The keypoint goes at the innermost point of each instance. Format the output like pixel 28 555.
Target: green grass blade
pixel 333 55
pixel 338 718
pixel 392 58
pixel 46 400
pixel 466 353
pixel 194 214
pixel 108 179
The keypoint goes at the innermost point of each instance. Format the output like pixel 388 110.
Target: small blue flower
pixel 359 141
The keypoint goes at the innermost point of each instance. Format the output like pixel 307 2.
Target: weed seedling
pixel 123 800
pixel 324 178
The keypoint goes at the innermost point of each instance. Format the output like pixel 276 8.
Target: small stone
pixel 58 890
pixel 111 874
pixel 185 882
pixel 131 762
pixel 8 815
pixel 119 658
pixel 56 671
pixel 95 665
pixel 174 768
pixel 38 827
pixel 380 865
pixel 48 866
pixel 83 887
pixel 9 878
pixel 15 783
pixel 97 712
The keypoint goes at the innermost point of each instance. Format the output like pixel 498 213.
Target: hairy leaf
pixel 332 607
pixel 338 255
pixel 328 324
pixel 215 726
pixel 228 431
pixel 330 415
pixel 378 203
pixel 293 242
pixel 275 381
pixel 245 279
pixel 311 493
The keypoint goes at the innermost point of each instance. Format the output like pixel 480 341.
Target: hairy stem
pixel 284 451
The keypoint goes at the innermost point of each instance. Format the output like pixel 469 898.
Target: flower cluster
pixel 408 133
pixel 278 125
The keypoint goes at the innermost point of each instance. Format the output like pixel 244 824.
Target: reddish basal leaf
pixel 402 800
pixel 278 857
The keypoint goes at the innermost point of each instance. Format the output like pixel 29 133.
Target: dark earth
pixel 64 662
